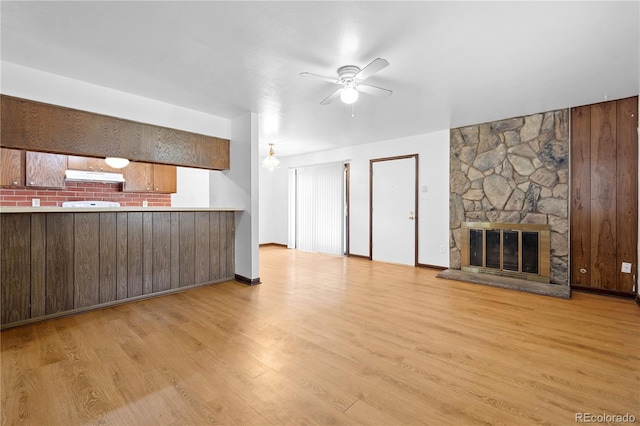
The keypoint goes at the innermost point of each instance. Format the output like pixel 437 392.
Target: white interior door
pixel 393 215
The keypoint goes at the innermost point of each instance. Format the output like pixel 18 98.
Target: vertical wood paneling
pixel 627 186
pixel 108 257
pixel 59 255
pixel 15 273
pixel 581 196
pixel 222 255
pixel 214 246
pixel 86 282
pixel 122 256
pixel 603 194
pixel 175 250
pixel 134 254
pixel 230 234
pixel 38 264
pixel 147 253
pixel 161 251
pixel 76 260
pixel 187 246
pixel 202 247
pixel 604 162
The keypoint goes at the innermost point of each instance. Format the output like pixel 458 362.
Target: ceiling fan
pixel 350 79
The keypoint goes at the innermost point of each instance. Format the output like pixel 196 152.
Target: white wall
pixel 433 224
pixel 238 188
pixel 28 83
pixel 273 205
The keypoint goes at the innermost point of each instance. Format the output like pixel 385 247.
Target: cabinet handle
pixel 32 183
pixel 15 182
pixel 90 167
pixel 157 189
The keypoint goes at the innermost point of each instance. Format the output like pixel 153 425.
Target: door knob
pixel 411 217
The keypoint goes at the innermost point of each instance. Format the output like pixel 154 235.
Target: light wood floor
pixel 328 340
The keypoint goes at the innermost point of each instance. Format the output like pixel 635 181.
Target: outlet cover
pixel 35 202
pixel 626 267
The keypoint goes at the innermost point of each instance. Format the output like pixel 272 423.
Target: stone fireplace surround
pixel 512 171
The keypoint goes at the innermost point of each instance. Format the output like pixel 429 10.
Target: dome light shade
pixel 349 95
pixel 271 162
pixel 116 162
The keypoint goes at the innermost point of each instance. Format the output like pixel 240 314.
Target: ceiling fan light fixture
pixel 349 94
pixel 270 162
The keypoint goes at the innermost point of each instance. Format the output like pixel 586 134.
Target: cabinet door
pixel 164 178
pixel 12 167
pixel 45 170
pixel 138 177
pixel 90 164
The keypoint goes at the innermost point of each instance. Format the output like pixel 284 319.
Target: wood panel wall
pixel 37 126
pixel 54 263
pixel 604 195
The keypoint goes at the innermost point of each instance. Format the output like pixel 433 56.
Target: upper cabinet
pixel 11 167
pixel 164 178
pixel 45 170
pixel 91 164
pixel 145 177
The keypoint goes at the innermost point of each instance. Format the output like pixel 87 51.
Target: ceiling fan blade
pixel 373 90
pixel 371 69
pixel 331 97
pixel 321 77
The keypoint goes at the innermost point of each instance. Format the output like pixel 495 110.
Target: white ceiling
pixel 451 63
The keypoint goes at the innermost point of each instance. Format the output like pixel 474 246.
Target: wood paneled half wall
pixel 61 262
pixel 37 126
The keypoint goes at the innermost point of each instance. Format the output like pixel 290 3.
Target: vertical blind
pixel 319 208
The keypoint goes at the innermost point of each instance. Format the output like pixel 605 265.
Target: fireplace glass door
pixel 508 249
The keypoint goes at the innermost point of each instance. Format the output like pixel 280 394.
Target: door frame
pixel 416 215
pixel 347 212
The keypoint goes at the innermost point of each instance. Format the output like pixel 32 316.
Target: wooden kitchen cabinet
pixel 146 177
pixel 90 164
pixel 164 178
pixel 45 170
pixel 138 177
pixel 12 167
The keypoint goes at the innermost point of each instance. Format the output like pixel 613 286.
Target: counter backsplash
pixel 81 191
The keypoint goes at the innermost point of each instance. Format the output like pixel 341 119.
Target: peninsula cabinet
pixel 45 170
pixel 12 167
pixel 62 261
pixel 146 177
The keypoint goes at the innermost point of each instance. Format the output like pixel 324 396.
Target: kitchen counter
pixel 113 209
pixel 56 261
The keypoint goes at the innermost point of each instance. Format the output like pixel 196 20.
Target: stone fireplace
pixel 512 172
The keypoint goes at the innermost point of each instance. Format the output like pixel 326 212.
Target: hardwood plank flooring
pixel 328 340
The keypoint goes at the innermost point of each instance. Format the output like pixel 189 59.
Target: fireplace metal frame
pixel 544 249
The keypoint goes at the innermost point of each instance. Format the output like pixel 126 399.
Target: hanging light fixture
pixel 116 162
pixel 271 162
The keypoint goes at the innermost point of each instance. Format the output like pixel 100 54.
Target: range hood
pixel 85 176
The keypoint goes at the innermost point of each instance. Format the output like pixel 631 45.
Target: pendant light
pixel 271 162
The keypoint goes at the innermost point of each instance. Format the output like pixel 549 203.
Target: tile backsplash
pixel 81 191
